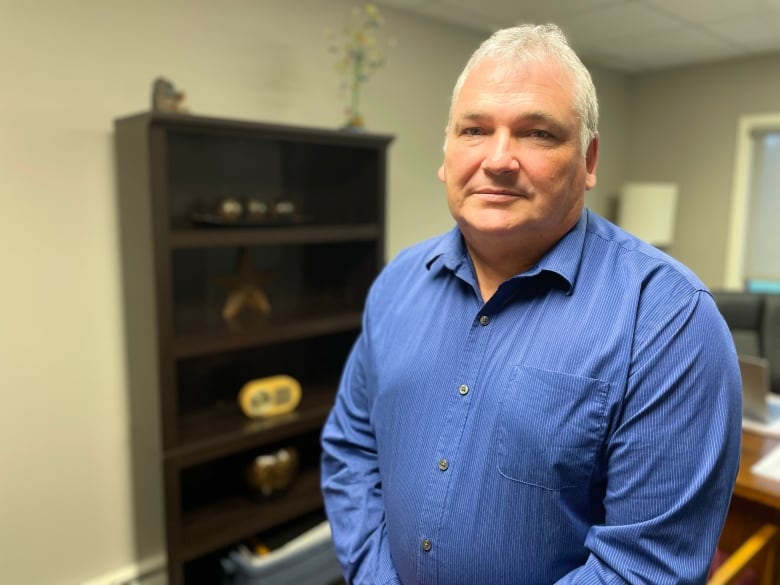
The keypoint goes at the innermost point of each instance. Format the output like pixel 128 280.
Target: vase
pixel 355 121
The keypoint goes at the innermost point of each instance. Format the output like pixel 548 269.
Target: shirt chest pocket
pixel 550 428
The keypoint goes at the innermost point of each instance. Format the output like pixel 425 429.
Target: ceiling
pixel 628 35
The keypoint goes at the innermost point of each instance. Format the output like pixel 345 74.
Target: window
pixel 754 239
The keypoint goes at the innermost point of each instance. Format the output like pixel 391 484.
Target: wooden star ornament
pixel 244 289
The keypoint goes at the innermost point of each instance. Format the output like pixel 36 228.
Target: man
pixel 537 396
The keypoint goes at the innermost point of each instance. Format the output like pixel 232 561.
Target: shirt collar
pixel 562 259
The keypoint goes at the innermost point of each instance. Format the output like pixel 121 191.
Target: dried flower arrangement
pixel 359 52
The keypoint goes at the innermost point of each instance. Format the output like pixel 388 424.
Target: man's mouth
pixel 498 195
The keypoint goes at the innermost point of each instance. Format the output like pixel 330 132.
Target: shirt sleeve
pixel 673 452
pixel 351 483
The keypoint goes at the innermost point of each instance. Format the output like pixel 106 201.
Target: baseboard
pixel 149 571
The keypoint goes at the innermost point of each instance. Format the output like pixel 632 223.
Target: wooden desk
pixel 756 499
pixel 750 486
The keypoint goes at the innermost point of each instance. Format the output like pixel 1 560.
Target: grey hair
pixel 526 43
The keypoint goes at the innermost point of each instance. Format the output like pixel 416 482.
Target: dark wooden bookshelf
pixel 216 527
pixel 217 336
pixel 220 431
pixel 186 237
pixel 314 265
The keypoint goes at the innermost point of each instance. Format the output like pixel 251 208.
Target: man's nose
pixel 501 157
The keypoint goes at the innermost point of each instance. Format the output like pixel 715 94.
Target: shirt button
pixel 444 464
pixel 463 389
pixel 426 545
pixel 484 320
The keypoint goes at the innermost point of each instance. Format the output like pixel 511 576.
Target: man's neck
pixel 495 264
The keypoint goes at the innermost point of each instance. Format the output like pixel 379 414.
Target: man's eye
pixel 472 132
pixel 540 134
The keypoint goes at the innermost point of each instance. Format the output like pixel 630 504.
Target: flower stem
pixel 357 71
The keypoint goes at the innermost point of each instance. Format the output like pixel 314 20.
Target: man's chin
pixel 493 227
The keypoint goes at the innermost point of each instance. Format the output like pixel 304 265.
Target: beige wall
pixel 683 129
pixel 76 501
pixel 615 117
pixel 73 505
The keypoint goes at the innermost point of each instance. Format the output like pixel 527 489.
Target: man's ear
pixel 440 172
pixel 591 161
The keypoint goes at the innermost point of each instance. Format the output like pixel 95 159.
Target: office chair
pixel 756 553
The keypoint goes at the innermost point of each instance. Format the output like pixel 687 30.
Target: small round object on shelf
pixel 269 396
pixel 256 209
pixel 271 473
pixel 284 209
pixel 230 209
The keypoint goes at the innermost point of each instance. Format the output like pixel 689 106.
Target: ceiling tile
pixel 703 11
pixel 447 11
pixel 622 20
pixel 754 32
pixel 629 35
pixel 512 12
pixel 670 47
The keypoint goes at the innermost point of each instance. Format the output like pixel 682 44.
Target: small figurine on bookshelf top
pixel 166 98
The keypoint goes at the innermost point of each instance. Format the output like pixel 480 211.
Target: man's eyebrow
pixel 474 115
pixel 546 119
pixel 539 116
pixel 526 119
pixel 536 116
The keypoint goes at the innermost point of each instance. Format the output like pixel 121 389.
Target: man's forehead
pixel 538 88
pixel 505 69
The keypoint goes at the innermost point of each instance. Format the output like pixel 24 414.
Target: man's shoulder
pixel 634 257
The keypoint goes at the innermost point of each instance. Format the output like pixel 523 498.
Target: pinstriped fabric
pixel 580 427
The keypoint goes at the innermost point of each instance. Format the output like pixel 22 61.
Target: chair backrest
pixel 743 312
pixel 754 321
pixel 756 555
pixel 771 344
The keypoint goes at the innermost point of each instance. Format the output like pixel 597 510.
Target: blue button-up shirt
pixel 582 426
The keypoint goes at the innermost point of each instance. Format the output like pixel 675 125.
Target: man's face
pixel 513 164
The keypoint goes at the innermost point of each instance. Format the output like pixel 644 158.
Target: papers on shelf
pixel 771 428
pixel 769 465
